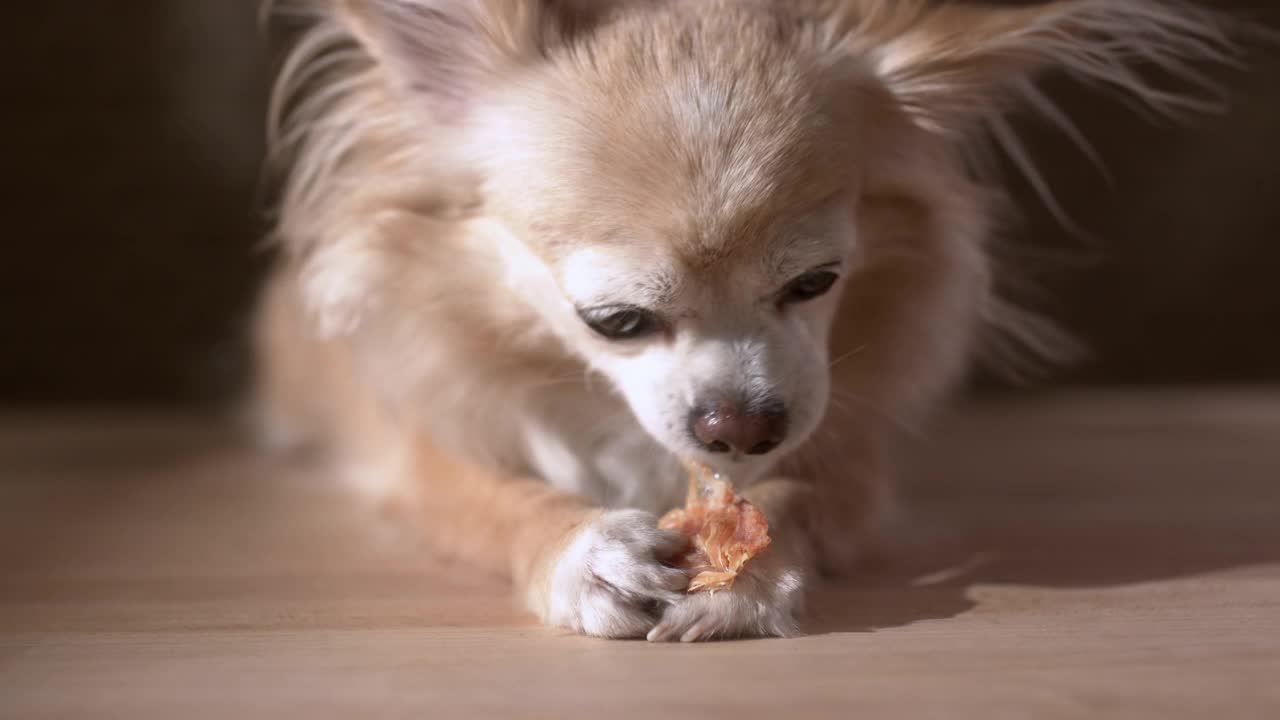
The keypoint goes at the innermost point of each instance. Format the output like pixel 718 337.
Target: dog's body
pixel 537 251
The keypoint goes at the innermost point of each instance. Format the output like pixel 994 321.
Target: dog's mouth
pixel 743 468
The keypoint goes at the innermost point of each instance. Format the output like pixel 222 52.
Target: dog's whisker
pixel 845 396
pixel 846 356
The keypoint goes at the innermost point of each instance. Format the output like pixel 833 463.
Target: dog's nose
pixel 725 427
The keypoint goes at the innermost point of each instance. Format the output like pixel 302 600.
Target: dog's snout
pixel 732 427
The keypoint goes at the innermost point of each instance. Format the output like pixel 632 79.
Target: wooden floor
pixel 1082 556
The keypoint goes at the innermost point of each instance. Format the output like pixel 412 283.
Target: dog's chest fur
pixel 589 444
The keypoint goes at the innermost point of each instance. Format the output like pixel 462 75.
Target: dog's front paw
pixel 764 601
pixel 611 580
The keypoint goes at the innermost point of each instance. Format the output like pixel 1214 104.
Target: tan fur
pixel 446 158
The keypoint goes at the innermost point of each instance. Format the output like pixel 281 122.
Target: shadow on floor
pixel 1120 527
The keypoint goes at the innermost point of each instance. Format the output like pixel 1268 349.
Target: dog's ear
pixel 951 64
pixel 445 50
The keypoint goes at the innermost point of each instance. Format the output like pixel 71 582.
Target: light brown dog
pixel 537 251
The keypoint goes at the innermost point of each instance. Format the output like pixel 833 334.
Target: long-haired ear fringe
pixel 953 63
pixel 958 68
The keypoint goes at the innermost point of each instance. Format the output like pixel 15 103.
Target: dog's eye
pixel 808 286
pixel 625 323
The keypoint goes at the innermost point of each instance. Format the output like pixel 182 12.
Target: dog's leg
pixel 594 571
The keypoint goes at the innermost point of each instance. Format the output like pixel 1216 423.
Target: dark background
pixel 133 213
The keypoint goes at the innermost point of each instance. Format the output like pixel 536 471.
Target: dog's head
pixel 682 182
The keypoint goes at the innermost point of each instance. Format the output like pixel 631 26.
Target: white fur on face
pixel 727 335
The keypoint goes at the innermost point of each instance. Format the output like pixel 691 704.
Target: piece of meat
pixel 725 531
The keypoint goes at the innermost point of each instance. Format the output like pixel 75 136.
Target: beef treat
pixel 725 531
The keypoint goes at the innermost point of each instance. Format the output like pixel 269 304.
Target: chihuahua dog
pixel 535 253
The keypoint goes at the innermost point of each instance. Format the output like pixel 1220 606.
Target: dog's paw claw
pixel 612 581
